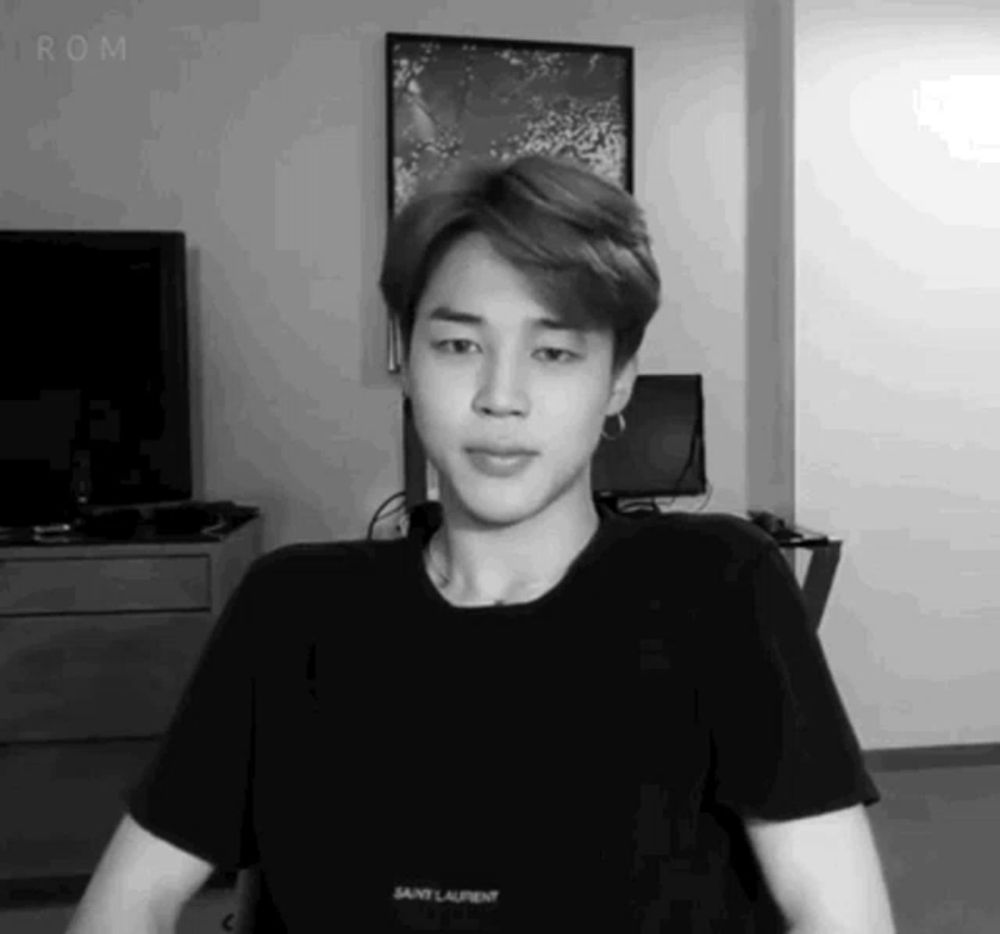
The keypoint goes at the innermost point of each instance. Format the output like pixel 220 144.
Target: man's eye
pixel 459 345
pixel 451 341
pixel 567 355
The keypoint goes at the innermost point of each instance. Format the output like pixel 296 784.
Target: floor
pixel 938 831
pixel 204 914
pixel 939 834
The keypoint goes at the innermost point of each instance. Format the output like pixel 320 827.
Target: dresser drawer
pixel 97 642
pixel 104 584
pixel 89 677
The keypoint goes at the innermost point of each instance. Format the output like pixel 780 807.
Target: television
pixel 661 452
pixel 94 399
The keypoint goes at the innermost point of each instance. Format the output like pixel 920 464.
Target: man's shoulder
pixel 699 536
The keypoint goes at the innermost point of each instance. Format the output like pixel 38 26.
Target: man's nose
pixel 502 387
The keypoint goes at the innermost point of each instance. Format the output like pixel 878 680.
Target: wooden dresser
pixel 97 642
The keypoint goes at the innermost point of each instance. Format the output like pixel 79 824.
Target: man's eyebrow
pixel 444 313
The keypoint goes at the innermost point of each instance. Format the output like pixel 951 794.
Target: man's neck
pixel 473 566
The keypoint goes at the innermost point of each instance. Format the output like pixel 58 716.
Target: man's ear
pixel 621 389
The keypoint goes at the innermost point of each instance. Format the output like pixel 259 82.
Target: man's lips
pixel 502 452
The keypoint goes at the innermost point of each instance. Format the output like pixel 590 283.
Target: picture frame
pixel 453 98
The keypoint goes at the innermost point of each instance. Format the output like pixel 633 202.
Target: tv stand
pixel 176 521
pixel 97 642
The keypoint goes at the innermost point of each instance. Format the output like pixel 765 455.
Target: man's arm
pixel 140 886
pixel 824 872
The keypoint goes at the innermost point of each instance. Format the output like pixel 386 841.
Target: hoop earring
pixel 621 430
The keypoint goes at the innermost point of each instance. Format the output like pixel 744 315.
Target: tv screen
pixel 662 450
pixel 94 403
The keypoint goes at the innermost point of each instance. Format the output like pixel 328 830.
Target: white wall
pixel 898 340
pixel 770 249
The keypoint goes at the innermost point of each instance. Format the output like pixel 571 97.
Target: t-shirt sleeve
pixel 196 791
pixel 782 743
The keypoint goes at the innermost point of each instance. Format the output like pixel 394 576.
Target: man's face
pixel 501 378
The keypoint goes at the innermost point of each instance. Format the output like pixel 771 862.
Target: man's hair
pixel 580 241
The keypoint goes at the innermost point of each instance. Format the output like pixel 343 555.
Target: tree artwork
pixel 454 98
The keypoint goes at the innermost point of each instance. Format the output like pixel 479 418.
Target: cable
pixel 378 512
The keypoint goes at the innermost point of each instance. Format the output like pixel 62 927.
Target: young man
pixel 531 715
pixel 522 294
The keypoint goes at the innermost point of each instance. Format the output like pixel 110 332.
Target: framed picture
pixel 451 98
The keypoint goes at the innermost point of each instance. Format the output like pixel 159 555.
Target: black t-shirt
pixel 579 762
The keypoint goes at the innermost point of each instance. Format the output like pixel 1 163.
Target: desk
pixel 824 556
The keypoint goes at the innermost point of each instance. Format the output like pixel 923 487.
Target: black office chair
pixel 244 919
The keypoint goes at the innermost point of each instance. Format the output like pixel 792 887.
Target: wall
pixel 258 128
pixel 770 249
pixel 897 388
